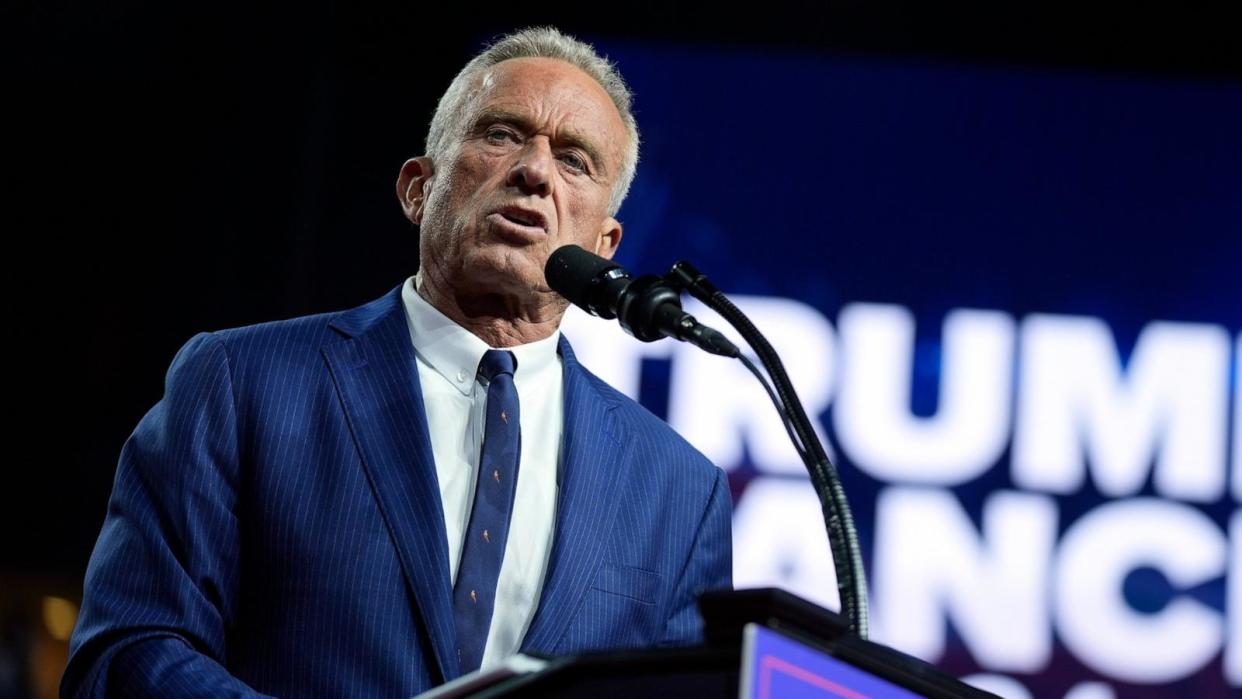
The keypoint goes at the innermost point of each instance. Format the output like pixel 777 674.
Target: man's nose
pixel 532 173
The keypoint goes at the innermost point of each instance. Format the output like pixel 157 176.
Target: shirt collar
pixel 454 352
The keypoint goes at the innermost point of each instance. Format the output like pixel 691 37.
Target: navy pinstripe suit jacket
pixel 276 526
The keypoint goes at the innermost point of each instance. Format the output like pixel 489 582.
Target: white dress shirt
pixel 455 400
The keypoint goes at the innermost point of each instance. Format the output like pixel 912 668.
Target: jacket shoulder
pixel 290 334
pixel 299 339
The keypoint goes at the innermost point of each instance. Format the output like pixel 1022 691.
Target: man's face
pixel 534 170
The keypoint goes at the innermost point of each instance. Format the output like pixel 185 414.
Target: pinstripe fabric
pixel 275 525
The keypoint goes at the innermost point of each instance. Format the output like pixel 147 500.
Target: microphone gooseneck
pixel 649 308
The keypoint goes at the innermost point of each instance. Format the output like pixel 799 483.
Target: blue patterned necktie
pixel 474 594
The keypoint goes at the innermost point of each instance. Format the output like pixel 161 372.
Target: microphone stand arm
pixel 842 536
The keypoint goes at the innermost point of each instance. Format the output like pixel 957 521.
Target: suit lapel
pixel 377 380
pixel 593 466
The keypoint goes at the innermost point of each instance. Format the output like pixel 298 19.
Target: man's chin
pixel 506 272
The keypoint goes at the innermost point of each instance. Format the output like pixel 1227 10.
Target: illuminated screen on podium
pixel 776 666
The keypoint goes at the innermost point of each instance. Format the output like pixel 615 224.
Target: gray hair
pixel 539 42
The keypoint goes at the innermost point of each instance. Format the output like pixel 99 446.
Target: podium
pixel 760 644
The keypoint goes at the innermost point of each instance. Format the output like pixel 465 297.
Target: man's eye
pixel 501 136
pixel 574 161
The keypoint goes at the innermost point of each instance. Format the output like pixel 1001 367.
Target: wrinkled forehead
pixel 552 77
pixel 549 89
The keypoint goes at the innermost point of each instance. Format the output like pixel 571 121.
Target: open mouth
pixel 523 217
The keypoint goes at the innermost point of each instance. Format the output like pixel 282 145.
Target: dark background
pixel 171 168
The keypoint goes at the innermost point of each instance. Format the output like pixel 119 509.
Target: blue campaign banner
pixel 1011 299
pixel 776 666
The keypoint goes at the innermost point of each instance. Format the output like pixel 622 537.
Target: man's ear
pixel 412 182
pixel 609 238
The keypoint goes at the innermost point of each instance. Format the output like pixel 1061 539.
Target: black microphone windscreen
pixel 570 272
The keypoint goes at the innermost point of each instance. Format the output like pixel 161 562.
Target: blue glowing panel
pixel 776 666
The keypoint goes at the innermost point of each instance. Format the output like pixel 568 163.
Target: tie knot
pixel 497 362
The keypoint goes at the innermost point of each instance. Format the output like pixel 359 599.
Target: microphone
pixel 647 307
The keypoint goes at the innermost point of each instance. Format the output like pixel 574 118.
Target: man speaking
pixel 372 502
